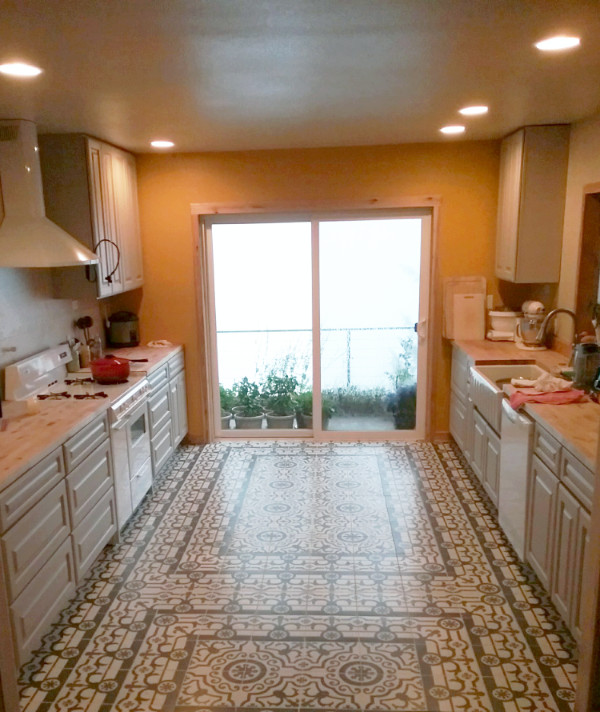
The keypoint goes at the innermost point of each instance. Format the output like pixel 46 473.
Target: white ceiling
pixel 252 74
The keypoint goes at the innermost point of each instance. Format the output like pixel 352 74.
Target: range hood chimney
pixel 27 237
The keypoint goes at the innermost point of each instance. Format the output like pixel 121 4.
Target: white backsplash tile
pixel 30 318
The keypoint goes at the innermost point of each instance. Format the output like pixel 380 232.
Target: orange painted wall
pixel 463 174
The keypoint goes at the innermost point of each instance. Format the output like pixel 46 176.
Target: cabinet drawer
pixel 30 488
pixel 34 538
pixel 38 606
pixel 158 378
pixel 141 482
pixel 547 448
pixel 85 442
pixel 94 532
pixel 176 364
pixel 159 408
pixel 577 478
pixel 460 377
pixel 88 482
pixel 162 447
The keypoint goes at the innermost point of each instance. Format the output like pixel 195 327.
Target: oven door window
pixel 138 429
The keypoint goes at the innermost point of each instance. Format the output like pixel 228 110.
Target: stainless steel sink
pixel 486 386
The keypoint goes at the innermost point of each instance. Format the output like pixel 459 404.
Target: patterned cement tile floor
pixel 290 576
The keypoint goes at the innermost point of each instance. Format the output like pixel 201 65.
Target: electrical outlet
pixel 490 301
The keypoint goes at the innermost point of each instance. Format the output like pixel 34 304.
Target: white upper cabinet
pixel 531 197
pixel 90 190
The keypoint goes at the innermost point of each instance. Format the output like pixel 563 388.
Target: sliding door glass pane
pixel 369 291
pixel 263 304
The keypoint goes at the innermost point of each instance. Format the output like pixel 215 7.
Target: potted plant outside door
pixel 279 396
pixel 248 413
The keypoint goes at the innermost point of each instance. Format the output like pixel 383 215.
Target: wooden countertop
pixel 26 439
pixel 576 426
pixel 156 356
pixel 494 351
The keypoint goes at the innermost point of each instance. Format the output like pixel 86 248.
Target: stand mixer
pixel 529 335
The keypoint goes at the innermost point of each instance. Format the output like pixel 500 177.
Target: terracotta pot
pixel 110 370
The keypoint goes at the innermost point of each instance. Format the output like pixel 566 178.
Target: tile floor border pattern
pixel 182 615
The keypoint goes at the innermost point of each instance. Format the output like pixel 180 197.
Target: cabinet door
pixel 127 220
pixel 468 448
pixel 479 445
pixel 178 408
pixel 565 545
pixel 509 196
pixel 541 510
pixel 491 480
pixel 101 232
pixel 458 420
pixel 581 546
pixel 111 188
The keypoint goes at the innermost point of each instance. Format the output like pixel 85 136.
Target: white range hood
pixel 27 237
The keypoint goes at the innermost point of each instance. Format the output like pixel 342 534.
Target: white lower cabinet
pixel 168 410
pixel 559 524
pixel 479 445
pixel 37 607
pixel 491 473
pixel 178 407
pixel 543 487
pixel 565 545
pixel 572 539
pixel 559 494
pixel 582 541
pixel 485 455
pixel 54 521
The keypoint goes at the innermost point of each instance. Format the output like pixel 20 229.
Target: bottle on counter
pixel 73 365
pixel 96 350
pixel 84 356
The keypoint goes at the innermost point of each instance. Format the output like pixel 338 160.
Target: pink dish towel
pixel 556 398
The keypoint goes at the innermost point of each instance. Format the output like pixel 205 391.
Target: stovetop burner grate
pixel 90 396
pixel 54 396
pixel 78 381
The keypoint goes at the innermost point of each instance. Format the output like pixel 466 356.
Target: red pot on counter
pixel 109 370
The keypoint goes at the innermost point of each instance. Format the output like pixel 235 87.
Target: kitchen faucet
pixel 542 333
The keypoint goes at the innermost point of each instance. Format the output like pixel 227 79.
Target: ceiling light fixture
pixel 560 42
pixel 473 110
pixel 19 69
pixel 160 143
pixel 452 129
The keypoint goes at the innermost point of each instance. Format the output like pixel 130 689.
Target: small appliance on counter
pixel 586 362
pixel 503 324
pixel 123 329
pixel 528 333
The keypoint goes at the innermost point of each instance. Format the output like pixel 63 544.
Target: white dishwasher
pixel 515 456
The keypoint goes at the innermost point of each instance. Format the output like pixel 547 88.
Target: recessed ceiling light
pixel 162 144
pixel 473 110
pixel 555 44
pixel 452 129
pixel 20 69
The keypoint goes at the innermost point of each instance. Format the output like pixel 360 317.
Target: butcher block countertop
pixel 156 356
pixel 576 426
pixel 26 439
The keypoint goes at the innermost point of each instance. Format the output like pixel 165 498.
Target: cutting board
pixel 454 286
pixel 469 317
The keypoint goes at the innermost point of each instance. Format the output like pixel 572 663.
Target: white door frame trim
pixel 317 210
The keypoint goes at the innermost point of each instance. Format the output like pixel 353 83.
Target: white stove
pixel 44 377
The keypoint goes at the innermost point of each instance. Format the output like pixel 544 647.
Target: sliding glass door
pixel 318 325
